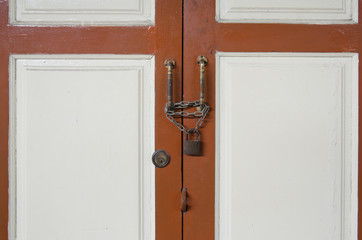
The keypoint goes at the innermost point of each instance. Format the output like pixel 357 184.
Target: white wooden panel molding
pixel 81 140
pixel 286 146
pixel 292 11
pixel 84 12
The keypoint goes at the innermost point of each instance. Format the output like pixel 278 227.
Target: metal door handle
pixel 173 110
pixel 169 64
pixel 202 61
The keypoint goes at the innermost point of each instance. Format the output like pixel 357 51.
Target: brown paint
pixel 198 172
pixel 168 44
pixel 164 40
pixel 203 36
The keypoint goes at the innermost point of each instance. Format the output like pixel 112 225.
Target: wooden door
pixel 83 93
pixel 280 142
pixel 82 110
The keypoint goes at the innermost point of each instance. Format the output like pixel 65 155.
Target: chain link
pixel 170 114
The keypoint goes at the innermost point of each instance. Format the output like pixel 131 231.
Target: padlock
pixel 192 147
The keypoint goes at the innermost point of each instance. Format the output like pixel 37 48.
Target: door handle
pixel 170 65
pixel 202 61
pixel 173 110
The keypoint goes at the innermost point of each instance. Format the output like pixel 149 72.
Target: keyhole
pixel 161 161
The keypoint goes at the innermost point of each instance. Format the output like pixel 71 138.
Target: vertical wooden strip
pixel 168 44
pixel 4 122
pixel 199 172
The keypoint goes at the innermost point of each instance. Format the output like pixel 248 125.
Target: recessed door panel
pixel 292 11
pixel 82 135
pixel 286 146
pixel 84 12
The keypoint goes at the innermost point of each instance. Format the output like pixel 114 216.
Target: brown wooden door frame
pixel 203 36
pixel 164 40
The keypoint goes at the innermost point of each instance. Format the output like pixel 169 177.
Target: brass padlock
pixel 192 147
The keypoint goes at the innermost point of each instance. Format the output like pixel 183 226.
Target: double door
pixel 84 89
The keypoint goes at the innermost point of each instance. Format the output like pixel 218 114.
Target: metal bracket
pixel 184 200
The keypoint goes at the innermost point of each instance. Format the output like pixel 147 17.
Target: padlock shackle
pixel 192 130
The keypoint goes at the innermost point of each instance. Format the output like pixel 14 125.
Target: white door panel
pixel 82 134
pixel 84 12
pixel 286 157
pixel 288 11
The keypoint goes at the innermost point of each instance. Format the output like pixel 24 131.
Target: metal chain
pixel 170 114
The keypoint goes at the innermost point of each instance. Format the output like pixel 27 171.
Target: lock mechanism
pixel 178 109
pixel 160 158
pixel 192 147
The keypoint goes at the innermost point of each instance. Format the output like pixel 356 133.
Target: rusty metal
pixel 160 158
pixel 169 64
pixel 202 61
pixel 192 147
pixel 173 110
pixel 184 200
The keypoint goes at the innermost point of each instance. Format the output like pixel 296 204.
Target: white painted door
pixel 282 83
pixel 83 91
pixel 79 123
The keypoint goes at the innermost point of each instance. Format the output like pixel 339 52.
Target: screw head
pixel 201 59
pixel 170 62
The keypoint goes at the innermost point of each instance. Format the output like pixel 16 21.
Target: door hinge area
pixel 183 200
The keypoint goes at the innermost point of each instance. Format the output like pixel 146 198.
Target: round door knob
pixel 160 158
